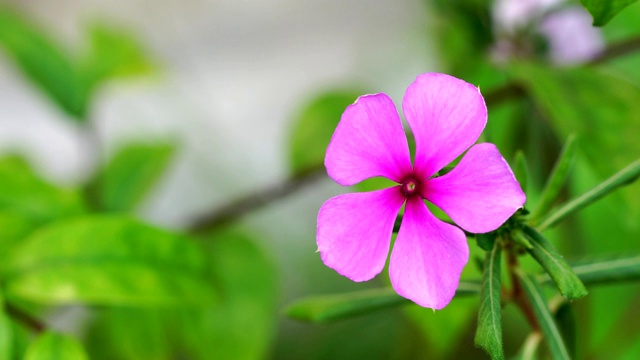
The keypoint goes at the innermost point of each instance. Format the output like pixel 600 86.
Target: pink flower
pixel 354 230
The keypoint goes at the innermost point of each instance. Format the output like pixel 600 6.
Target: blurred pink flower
pixel 354 230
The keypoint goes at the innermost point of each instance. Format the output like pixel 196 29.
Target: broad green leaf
pixel 327 308
pixel 604 270
pixel 486 241
pixel 112 53
pixel 131 173
pixel 53 346
pixel 489 331
pixel 107 260
pixel 6 334
pixel 566 280
pixel 13 228
pixel 239 324
pixel 43 61
pixel 24 194
pixel 556 180
pixel 131 334
pixel 242 323
pixel 545 319
pixel 605 10
pixel 314 126
pixel 572 100
pixel 624 177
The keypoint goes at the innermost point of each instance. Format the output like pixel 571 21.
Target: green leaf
pixel 24 194
pixel 241 325
pixel 6 334
pixel 314 126
pixel 565 317
pixel 107 260
pixel 624 177
pixel 327 308
pixel 131 173
pixel 486 241
pixel 604 270
pixel 521 170
pixel 566 280
pixel 53 346
pixel 489 331
pixel 605 10
pixel 43 61
pixel 557 179
pixel 113 53
pixel 545 319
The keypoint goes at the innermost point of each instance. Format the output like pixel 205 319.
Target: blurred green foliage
pixel 159 294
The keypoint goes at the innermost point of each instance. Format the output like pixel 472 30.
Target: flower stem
pixel 517 293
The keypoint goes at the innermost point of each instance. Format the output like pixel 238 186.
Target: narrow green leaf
pixel 327 308
pixel 107 260
pixel 565 317
pixel 545 319
pixel 314 126
pixel 53 346
pixel 521 170
pixel 602 270
pixel 520 238
pixel 605 10
pixel 566 280
pixel 6 334
pixel 557 179
pixel 131 173
pixel 489 332
pixel 624 177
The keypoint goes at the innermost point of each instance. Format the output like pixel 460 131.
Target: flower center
pixel 410 186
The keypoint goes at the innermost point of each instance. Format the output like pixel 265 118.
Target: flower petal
pixel 354 231
pixel 446 116
pixel 369 141
pixel 427 258
pixel 479 194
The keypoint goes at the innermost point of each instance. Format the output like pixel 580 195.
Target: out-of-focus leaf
pixel 624 177
pixel 314 126
pixel 335 307
pixel 545 320
pixel 131 173
pixel 573 100
pixel 53 346
pixel 605 10
pixel 604 270
pixel 486 241
pixel 43 61
pixel 327 308
pixel 107 260
pixel 69 80
pixel 241 324
pixel 6 334
pixel 489 331
pixel 556 180
pixel 521 170
pixel 131 334
pixel 566 280
pixel 13 228
pixel 23 193
pixel 113 53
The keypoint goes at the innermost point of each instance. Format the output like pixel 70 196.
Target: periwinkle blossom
pixel 566 28
pixel 446 115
